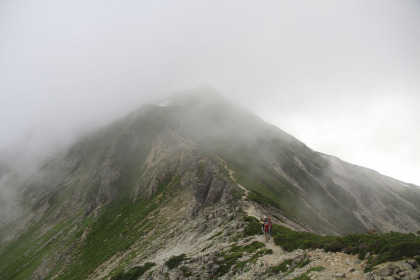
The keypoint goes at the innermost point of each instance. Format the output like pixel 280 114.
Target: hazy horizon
pixel 342 77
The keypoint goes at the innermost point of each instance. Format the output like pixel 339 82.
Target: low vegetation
pixel 282 267
pixel 175 261
pixel 302 277
pixel 133 273
pixel 186 272
pixel 316 268
pixel 377 248
pixel 289 265
pixel 228 259
pixel 252 227
pixel 305 276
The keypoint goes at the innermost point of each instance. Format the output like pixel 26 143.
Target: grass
pixel 302 277
pixel 236 192
pixel 305 276
pixel 252 227
pixel 112 232
pixel 316 268
pixel 228 259
pixel 282 267
pixel 289 265
pixel 390 246
pixel 175 261
pixel 186 272
pixel 115 230
pixel 31 248
pixel 133 273
pixel 216 235
pixel 251 260
pixel 254 246
pixel 303 263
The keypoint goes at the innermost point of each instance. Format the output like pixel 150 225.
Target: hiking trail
pixel 249 206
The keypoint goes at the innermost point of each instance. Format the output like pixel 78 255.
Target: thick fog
pixel 341 76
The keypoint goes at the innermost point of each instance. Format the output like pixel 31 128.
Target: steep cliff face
pixel 183 173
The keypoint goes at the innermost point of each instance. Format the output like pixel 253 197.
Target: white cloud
pixel 341 76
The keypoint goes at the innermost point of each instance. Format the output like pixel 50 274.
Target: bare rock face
pixel 209 189
pixel 219 192
pixel 212 191
pixel 153 187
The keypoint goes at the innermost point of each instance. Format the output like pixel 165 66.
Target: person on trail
pixel 262 226
pixel 266 228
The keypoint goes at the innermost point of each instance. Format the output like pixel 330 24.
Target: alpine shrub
pixel 175 261
pixel 134 272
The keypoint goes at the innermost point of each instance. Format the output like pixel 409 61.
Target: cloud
pixel 323 71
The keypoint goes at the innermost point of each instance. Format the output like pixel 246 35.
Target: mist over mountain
pixel 181 169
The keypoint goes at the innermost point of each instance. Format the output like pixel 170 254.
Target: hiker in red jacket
pixel 266 228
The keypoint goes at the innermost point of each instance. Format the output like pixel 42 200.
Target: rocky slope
pixel 206 247
pixel 220 234
pixel 180 179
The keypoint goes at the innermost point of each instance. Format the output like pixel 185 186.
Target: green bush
pixel 289 266
pixel 228 261
pixel 252 227
pixel 175 261
pixel 316 268
pixel 303 263
pixel 390 246
pixel 302 277
pixel 185 271
pixel 291 240
pixel 283 267
pixel 254 246
pixel 133 273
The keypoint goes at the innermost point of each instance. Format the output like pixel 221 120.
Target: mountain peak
pixel 182 174
pixel 198 95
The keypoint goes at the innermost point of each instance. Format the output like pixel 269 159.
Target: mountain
pixel 171 179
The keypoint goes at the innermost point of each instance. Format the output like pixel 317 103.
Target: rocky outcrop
pixel 212 190
pixel 404 270
pixel 209 187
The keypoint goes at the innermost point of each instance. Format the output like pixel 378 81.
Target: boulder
pixel 402 266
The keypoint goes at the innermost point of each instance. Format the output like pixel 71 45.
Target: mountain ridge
pixel 198 158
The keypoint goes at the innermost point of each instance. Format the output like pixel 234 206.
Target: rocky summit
pixel 178 191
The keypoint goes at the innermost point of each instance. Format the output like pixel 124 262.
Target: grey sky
pixel 341 76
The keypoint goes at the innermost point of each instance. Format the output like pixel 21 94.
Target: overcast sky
pixel 341 76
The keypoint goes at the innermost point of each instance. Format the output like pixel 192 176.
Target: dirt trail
pixel 249 206
pixel 277 254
